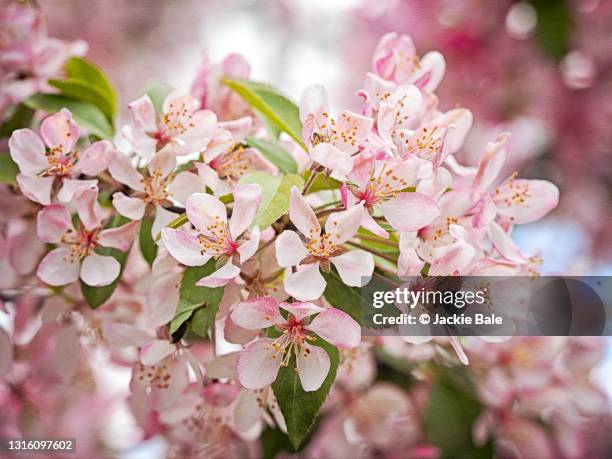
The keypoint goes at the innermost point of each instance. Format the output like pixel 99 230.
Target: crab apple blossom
pixel 55 159
pixel 75 254
pixel 259 363
pixel 318 249
pixel 331 142
pixel 216 237
pixel 181 127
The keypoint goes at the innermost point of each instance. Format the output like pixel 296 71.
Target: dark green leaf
pixel 300 408
pixel 81 69
pixel 148 247
pixel 272 106
pixel 20 118
pixel 8 169
pixel 85 114
pixel 95 296
pixel 199 295
pixel 184 310
pixel 554 26
pixel 274 153
pixel 343 297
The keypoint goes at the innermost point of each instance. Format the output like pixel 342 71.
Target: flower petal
pixel 410 211
pixel 333 158
pixel 337 328
pixel 119 238
pixel 257 314
pixel 525 201
pixel 96 158
pixel 162 298
pixel 355 267
pixel 35 188
pixel 220 277
pixel 88 207
pixel 122 170
pixel 155 351
pixel 28 151
pixel 430 71
pixel 246 202
pixel 98 270
pixel 132 208
pixel 290 249
pixel 59 267
pixel 162 164
pixel 343 225
pixel 306 284
pixel 60 130
pixel 504 244
pixel 313 366
pixel 205 211
pixel 71 186
pixel 314 100
pixel 248 248
pixel 52 223
pixel 301 309
pixel 492 161
pixel 162 218
pixel 451 258
pixel 184 247
pixel 185 184
pixel 6 353
pixel 302 215
pixel 258 364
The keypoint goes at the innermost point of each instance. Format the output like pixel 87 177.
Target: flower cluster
pixel 230 310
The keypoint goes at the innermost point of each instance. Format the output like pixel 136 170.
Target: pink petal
pixel 456 344
pixel 258 364
pixel 239 128
pixel 355 267
pixel 88 208
pixel 410 211
pixel 162 219
pixel 119 238
pixel 60 130
pixel 430 71
pixel 185 184
pixel 162 164
pixel 162 298
pixel 235 334
pixel 247 411
pixel 492 161
pixel 537 198
pixel 337 328
pixel 461 119
pixel 124 335
pixel 201 131
pixel 302 215
pixel 314 100
pixel 96 158
pixel 371 225
pixel 306 284
pixel 71 186
pixel 98 270
pixel 6 353
pixel 257 314
pixel 409 263
pixel 354 128
pixel 28 151
pixel 155 351
pixel 504 244
pixel 179 99
pixel 246 202
pixel 122 170
pixel 248 248
pixel 332 158
pixel 204 211
pixel 290 249
pixel 59 267
pixel 35 188
pixel 313 367
pixel 343 225
pixel 451 259
pixel 143 114
pixel 52 223
pixel 132 208
pixel 301 309
pixel 220 277
pixel 184 247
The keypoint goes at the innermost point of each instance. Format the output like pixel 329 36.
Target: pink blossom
pixel 216 237
pixel 258 364
pixel 53 158
pixel 75 254
pixel 180 127
pixel 318 250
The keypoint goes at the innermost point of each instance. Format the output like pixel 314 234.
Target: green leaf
pixel 450 415
pixel 83 70
pixel 157 91
pixel 82 90
pixel 274 153
pixel 554 26
pixel 85 114
pixel 273 107
pixel 8 169
pixel 343 297
pixel 322 182
pixel 148 247
pixel 199 295
pixel 300 408
pixel 20 118
pixel 184 310
pixel 276 191
pixel 95 296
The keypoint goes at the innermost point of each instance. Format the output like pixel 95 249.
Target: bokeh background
pixel 540 69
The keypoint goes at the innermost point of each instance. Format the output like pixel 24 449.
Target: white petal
pixel 132 208
pixel 98 270
pixel 306 284
pixel 289 249
pixel 313 367
pixel 355 267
